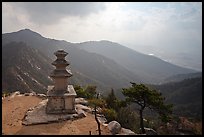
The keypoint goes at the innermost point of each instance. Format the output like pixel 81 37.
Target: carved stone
pixel 61 96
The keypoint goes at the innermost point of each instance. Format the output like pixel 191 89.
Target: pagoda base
pixel 61 103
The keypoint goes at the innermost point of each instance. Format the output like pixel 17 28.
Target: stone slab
pixel 38 115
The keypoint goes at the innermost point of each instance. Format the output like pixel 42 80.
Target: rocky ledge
pixel 38 115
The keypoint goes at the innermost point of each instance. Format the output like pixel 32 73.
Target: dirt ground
pixel 14 109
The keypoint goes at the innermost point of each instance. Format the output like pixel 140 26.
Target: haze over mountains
pixel 102 63
pixel 150 68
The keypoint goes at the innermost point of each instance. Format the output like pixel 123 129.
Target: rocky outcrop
pixel 85 108
pixel 15 94
pixel 114 127
pixel 26 94
pixel 81 113
pixel 32 94
pixel 81 101
pixel 185 124
pixel 125 131
pixel 81 109
pixel 38 115
pixel 43 96
pixel 102 119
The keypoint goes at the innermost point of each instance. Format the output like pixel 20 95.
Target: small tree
pixel 90 91
pixel 110 114
pixel 128 119
pixel 113 102
pixel 98 123
pixel 96 102
pixel 147 98
pixel 80 91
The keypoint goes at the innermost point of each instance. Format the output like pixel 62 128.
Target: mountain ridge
pixel 138 63
pixel 22 70
pixel 83 65
pixel 91 68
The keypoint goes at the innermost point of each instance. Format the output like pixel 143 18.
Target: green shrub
pixel 88 92
pixel 98 102
pixel 5 93
pixel 110 114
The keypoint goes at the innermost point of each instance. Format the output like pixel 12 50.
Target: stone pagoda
pixel 61 96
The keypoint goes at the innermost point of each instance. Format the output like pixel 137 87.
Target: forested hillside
pixel 185 95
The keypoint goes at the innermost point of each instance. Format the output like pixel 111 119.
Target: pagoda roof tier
pixel 60 62
pixel 60 53
pixel 64 93
pixel 60 73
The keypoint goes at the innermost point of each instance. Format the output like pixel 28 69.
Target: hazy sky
pixel 169 30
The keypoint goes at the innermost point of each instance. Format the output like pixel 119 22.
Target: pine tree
pixel 147 98
pixel 111 100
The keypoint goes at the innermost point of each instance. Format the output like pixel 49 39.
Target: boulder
pixel 75 115
pixel 81 101
pixel 149 131
pixel 102 119
pixel 17 92
pixel 85 108
pixel 114 127
pixel 32 94
pixel 81 113
pixel 125 131
pixel 26 94
pixel 31 109
pixel 14 94
pixel 42 96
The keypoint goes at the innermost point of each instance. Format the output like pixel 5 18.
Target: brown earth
pixel 14 109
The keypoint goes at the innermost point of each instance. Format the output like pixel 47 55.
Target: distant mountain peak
pixel 28 31
pixel 99 41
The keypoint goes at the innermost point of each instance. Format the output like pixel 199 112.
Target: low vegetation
pixel 123 112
